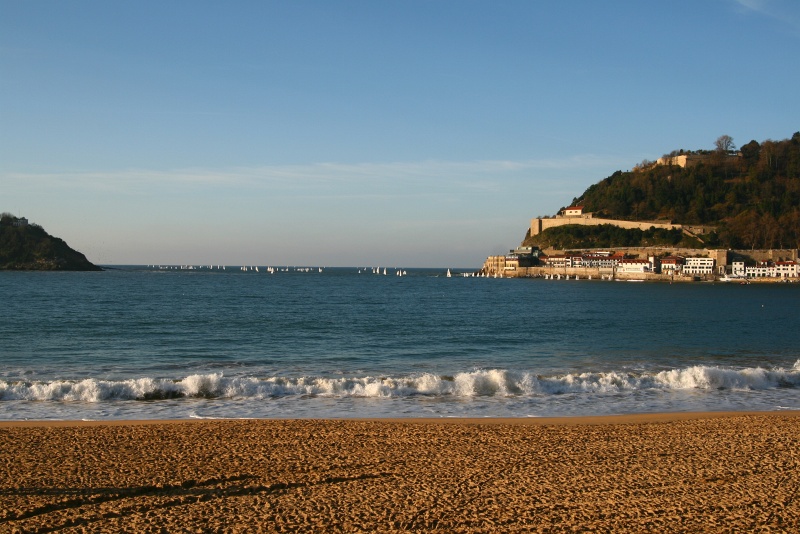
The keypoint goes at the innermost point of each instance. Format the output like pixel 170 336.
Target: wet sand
pixel 668 472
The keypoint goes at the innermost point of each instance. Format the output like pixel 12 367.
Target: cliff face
pixel 27 247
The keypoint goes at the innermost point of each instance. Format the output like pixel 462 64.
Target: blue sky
pixel 359 133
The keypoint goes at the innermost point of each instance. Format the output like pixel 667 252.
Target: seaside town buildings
pixel 767 269
pixel 690 263
pixel 530 261
pixel 656 263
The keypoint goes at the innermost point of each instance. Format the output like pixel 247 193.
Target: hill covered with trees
pixel 751 197
pixel 28 247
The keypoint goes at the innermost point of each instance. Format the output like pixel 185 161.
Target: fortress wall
pixel 688 161
pixel 770 255
pixel 540 225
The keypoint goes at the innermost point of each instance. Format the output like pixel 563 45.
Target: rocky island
pixel 27 247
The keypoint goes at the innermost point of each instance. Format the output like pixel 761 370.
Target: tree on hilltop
pixel 724 144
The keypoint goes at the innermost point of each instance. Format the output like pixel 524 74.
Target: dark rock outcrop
pixel 27 247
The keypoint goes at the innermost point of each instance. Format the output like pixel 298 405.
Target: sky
pixel 413 133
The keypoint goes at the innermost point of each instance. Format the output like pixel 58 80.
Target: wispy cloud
pixel 753 5
pixel 478 175
pixel 784 11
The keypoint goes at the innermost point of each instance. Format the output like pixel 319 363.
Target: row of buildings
pixel 523 259
pixel 766 269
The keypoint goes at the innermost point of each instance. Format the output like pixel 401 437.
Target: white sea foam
pixel 496 383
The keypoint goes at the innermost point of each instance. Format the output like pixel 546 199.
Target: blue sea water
pixel 140 343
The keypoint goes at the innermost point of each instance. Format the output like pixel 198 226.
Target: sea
pixel 155 342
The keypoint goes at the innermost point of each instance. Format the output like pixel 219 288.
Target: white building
pixel 634 266
pixel 767 269
pixel 761 270
pixel 671 264
pixel 699 266
pixel 573 211
pixel 787 269
pixel 575 260
pixel 598 259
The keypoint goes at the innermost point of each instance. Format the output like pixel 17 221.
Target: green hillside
pixel 752 197
pixel 29 247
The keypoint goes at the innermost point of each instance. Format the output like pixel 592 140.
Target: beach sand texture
pixel 680 473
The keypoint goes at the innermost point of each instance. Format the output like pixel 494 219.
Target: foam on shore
pixel 477 383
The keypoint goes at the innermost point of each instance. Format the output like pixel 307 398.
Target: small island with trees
pixel 27 247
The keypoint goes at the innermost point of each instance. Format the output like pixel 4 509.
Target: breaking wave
pixel 478 383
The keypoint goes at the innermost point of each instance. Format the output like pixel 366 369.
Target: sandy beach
pixel 668 472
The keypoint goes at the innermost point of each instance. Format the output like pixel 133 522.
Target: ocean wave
pixel 478 383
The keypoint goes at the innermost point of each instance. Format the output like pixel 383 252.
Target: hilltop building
pixel 573 211
pixel 689 160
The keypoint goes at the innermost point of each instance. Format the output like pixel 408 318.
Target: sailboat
pixel 448 273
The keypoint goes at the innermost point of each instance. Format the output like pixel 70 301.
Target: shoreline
pixel 678 472
pixel 603 275
pixel 616 419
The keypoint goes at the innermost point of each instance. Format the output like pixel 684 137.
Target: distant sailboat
pixel 448 273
